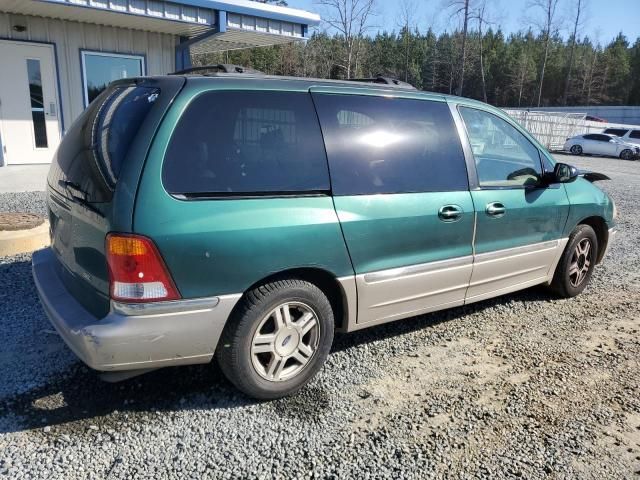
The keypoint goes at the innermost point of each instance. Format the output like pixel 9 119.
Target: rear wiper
pixel 68 185
pixel 82 200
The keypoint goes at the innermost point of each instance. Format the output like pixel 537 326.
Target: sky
pixel 604 18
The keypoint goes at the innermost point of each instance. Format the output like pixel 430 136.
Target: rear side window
pixel 390 145
pixel 619 132
pixel 597 137
pixel 634 134
pixel 247 142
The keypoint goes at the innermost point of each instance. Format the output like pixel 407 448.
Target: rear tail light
pixel 137 272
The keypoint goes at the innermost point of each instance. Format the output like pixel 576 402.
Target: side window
pixel 247 142
pixel 619 132
pixel 634 134
pixel 603 138
pixel 504 156
pixel 591 136
pixel 390 145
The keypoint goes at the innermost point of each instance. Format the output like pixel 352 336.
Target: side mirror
pixel 564 173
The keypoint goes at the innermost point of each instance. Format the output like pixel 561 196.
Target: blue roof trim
pixel 263 10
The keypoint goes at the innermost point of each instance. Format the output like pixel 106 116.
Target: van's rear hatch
pixel 93 180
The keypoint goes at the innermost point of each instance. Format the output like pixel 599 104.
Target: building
pixel 57 55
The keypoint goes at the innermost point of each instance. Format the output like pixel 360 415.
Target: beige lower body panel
pixel 389 295
pixel 505 271
pixel 393 294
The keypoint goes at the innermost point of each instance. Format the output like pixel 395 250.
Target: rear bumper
pixel 132 337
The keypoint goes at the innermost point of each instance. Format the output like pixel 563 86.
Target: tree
pixel 634 58
pixel 461 8
pixel 503 71
pixel 580 5
pixel 280 3
pixel 481 16
pixel 351 19
pixel 407 10
pixel 546 25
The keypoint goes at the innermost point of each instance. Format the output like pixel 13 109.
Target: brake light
pixel 137 272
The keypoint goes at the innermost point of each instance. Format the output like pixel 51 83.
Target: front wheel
pixel 575 267
pixel 626 154
pixel 576 150
pixel 278 339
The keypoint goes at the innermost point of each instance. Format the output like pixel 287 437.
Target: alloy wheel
pixel 580 262
pixel 576 150
pixel 285 341
pixel 626 154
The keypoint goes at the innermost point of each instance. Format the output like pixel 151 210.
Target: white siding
pixel 70 37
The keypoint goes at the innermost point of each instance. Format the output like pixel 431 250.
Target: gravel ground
pixel 27 202
pixel 520 386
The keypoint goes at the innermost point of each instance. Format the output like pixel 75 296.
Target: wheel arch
pixel 326 281
pixel 599 226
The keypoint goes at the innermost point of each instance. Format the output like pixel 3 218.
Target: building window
pixel 100 69
pixel 37 103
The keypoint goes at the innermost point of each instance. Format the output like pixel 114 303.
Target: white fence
pixel 552 128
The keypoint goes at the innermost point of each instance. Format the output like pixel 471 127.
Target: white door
pixel 29 105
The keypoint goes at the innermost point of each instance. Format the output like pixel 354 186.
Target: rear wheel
pixel 576 150
pixel 576 265
pixel 278 340
pixel 626 154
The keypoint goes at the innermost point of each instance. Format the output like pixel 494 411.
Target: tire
pixel 576 150
pixel 575 267
pixel 265 351
pixel 626 154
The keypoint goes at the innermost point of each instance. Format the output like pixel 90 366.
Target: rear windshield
pixel 92 152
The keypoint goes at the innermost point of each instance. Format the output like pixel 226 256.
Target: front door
pixel 400 190
pixel 519 221
pixel 29 105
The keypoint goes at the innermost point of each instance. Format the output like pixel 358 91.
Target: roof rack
pixel 392 82
pixel 219 68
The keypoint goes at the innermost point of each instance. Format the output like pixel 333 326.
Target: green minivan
pixel 248 217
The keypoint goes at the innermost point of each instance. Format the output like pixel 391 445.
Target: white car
pixel 628 135
pixel 601 144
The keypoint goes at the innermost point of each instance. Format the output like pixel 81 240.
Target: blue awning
pixel 219 24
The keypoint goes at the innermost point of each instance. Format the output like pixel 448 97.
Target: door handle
pixel 450 213
pixel 495 209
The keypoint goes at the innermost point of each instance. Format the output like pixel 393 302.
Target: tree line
pixel 529 68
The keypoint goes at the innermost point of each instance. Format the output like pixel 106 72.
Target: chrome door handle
pixel 450 213
pixel 495 209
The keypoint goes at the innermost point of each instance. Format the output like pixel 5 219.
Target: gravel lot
pixel 520 386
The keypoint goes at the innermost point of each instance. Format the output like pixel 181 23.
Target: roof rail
pixel 392 82
pixel 219 68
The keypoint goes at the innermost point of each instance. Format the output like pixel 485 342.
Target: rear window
pixel 244 143
pixel 117 124
pixel 619 132
pixel 91 155
pixel 386 145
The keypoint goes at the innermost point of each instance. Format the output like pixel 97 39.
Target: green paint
pixel 388 231
pixel 532 215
